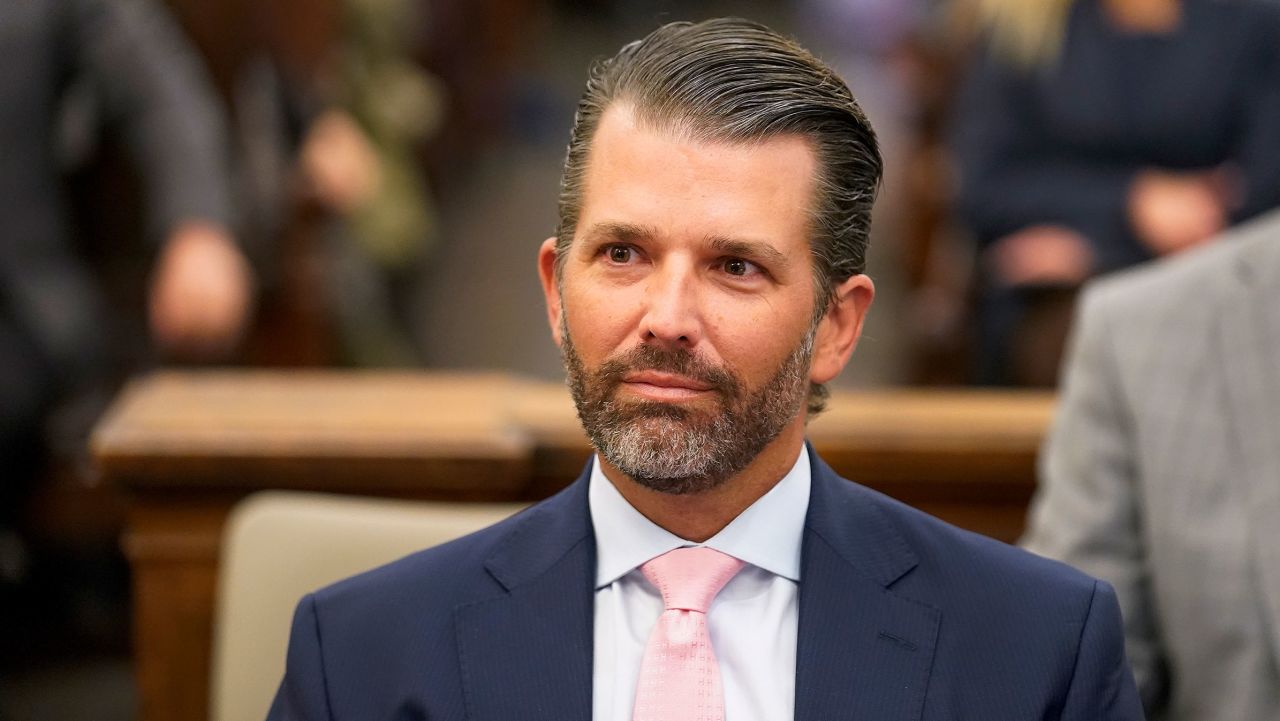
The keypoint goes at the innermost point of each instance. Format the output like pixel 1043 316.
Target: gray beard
pixel 678 450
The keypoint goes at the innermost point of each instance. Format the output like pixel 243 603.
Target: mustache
pixel 679 362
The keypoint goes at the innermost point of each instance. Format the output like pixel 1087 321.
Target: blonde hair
pixel 1026 33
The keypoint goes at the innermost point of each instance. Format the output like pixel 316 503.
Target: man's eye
pixel 619 253
pixel 740 267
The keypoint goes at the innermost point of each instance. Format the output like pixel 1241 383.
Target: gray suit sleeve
pixel 1087 509
pixel 154 87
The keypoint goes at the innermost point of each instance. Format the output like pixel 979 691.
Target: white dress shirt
pixel 752 621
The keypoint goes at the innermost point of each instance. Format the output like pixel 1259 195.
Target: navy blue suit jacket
pixel 901 617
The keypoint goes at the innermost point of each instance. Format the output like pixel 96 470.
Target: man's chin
pixel 668 470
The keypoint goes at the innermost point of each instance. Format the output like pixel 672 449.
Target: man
pixel 705 281
pixel 1162 472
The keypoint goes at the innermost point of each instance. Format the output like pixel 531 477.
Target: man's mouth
pixel 663 386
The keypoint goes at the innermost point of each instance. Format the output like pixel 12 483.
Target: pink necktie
pixel 679 676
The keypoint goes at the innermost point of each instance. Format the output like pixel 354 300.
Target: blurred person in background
pixel 1096 134
pixel 331 113
pixel 1161 473
pixel 55 336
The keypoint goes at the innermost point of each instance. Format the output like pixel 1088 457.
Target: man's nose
pixel 672 316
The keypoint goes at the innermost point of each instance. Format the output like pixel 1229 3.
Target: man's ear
pixel 840 328
pixel 550 288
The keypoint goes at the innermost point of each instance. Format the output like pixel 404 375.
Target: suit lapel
pixel 528 654
pixel 864 652
pixel 1249 350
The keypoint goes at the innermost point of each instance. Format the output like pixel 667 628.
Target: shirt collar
pixel 767 534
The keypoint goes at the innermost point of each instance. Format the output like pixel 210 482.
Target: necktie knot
pixel 689 578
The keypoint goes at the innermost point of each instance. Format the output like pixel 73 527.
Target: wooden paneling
pixel 186 446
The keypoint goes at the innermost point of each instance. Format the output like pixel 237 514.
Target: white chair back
pixel 280 545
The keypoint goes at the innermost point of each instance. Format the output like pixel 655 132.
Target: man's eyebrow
pixel 749 249
pixel 621 232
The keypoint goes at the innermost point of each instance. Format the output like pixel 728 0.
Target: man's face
pixel 684 309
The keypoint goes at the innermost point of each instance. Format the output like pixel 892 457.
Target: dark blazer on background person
pixel 901 616
pixel 1161 472
pixel 1061 144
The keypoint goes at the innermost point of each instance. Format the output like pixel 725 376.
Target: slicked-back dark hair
pixel 733 80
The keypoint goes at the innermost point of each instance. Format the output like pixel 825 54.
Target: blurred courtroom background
pixel 364 184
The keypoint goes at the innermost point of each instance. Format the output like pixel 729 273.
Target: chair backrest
pixel 280 545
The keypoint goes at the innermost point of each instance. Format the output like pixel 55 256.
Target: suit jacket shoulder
pixel 966 572
pixel 970 622
pixel 400 641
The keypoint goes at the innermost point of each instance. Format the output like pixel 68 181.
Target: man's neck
pixel 699 516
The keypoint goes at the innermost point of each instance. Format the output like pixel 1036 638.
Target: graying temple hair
pixel 734 80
